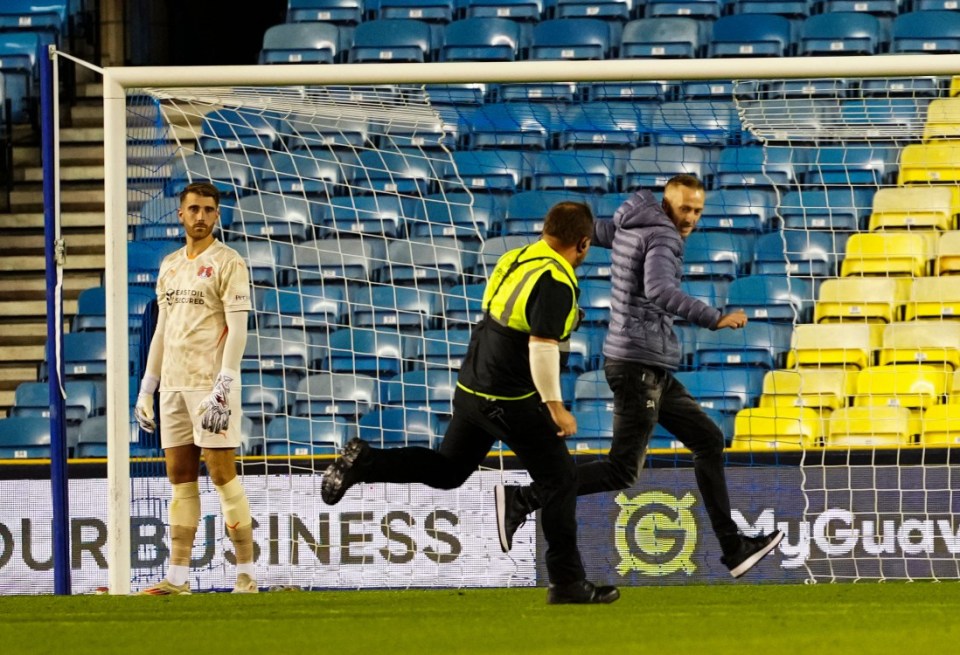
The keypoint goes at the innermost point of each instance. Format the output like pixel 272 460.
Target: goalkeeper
pixel 641 352
pixel 509 390
pixel 203 292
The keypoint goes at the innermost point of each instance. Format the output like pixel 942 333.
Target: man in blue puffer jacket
pixel 641 353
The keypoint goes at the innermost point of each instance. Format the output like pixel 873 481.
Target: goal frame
pixel 116 81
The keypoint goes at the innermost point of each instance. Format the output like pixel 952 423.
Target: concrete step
pixel 93 134
pixel 7 397
pixel 23 352
pixel 27 308
pixel 13 373
pixel 29 199
pixel 77 242
pixel 73 284
pixel 81 173
pixel 68 221
pixel 32 262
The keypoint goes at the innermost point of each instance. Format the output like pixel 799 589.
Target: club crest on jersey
pixel 205 272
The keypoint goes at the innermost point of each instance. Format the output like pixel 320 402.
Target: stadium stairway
pixel 22 266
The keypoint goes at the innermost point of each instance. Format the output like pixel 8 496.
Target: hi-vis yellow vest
pixel 516 273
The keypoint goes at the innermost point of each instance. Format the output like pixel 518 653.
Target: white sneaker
pixel 166 588
pixel 245 585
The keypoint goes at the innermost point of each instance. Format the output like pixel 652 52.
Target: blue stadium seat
pixel 582 351
pixel 571 38
pixel 489 170
pixel 692 8
pixel 387 41
pixel 402 308
pixel 308 306
pixel 557 93
pixel 462 305
pixel 750 35
pixel 321 133
pixel 91 440
pixel 605 124
pixel 403 171
pixel 759 344
pixel 927 32
pixel 620 10
pixel 82 400
pixel 429 390
pixel 18 64
pixel 345 12
pixel 266 261
pixel 851 165
pixel 232 130
pixel 633 91
pixel 723 255
pixel 832 209
pixel 159 219
pixel 724 390
pixel 395 428
pixel 144 258
pixel 813 253
pixel 92 308
pixel 605 206
pixel 300 436
pixel 517 10
pixel 352 260
pixel 309 173
pixel 788 8
pixel 595 301
pixel 512 125
pixel 381 214
pixel 427 264
pixel 584 171
pixel 527 210
pixel 335 394
pixel 594 431
pixel 430 11
pixel 24 437
pixel 85 354
pixel 748 209
pixel 650 167
pixel 443 348
pixel 755 167
pixel 880 8
pixel 365 351
pixel 673 37
pixel 877 116
pixel 465 216
pixel 262 394
pixel 662 438
pixel 772 298
pixel 47 17
pixel 494 248
pixel 711 292
pixel 847 33
pixel 232 173
pixel 592 393
pixel 273 216
pixel 287 351
pixel 483 39
pixel 697 122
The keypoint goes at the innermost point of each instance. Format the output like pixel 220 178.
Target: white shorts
pixel 180 422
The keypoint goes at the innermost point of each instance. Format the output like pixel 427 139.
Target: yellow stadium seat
pixel 835 344
pixel 926 163
pixel 861 299
pixel 915 208
pixel 913 386
pixel 816 388
pixel 943 119
pixel 777 428
pixel 921 342
pixel 941 426
pixel 889 253
pixel 933 297
pixel 871 426
pixel 948 254
pixel 954 397
pixel 955 86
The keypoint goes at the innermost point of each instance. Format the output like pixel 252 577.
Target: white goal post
pixel 117 82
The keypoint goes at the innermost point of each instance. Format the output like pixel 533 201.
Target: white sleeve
pixel 151 375
pixel 235 343
pixel 545 369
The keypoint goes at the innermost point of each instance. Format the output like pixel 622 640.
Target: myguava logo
pixel 656 534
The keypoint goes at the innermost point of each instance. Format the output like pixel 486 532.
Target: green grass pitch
pixel 904 618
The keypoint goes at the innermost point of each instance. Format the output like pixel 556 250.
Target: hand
pixel 563 419
pixel 734 320
pixel 215 409
pixel 143 412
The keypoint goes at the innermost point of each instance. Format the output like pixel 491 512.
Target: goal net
pixel 369 215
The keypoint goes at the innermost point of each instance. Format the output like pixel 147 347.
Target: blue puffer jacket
pixel 647 266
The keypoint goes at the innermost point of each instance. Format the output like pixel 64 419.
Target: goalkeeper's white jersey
pixel 196 294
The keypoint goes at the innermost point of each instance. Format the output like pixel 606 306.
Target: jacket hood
pixel 643 210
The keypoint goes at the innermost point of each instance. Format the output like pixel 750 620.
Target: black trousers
pixel 525 426
pixel 642 397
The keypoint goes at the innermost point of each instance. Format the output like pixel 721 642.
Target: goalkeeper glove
pixel 143 410
pixel 215 409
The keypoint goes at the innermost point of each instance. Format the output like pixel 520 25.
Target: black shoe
pixel 341 475
pixel 750 551
pixel 581 592
pixel 511 513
